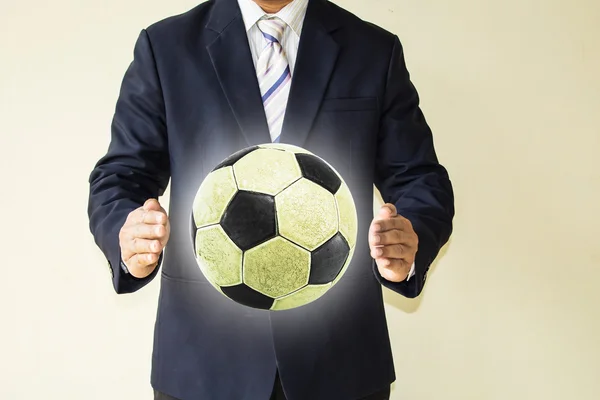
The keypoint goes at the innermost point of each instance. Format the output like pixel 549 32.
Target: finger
pixel 152 217
pixel 142 260
pixel 152 205
pixel 383 225
pixel 391 263
pixel 393 251
pixel 394 236
pixel 393 270
pixel 388 210
pixel 140 246
pixel 146 231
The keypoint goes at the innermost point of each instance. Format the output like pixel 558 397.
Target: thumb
pixel 152 205
pixel 388 210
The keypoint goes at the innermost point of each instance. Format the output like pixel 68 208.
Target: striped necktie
pixel 273 73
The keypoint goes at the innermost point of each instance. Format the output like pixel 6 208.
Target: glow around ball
pixel 274 227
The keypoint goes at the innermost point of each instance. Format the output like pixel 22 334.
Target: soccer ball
pixel 274 227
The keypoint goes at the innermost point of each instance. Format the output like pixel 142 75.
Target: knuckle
pixel 132 215
pixel 392 237
pixel 139 263
pixel 142 261
pixel 384 238
pixel 149 259
pixel 131 263
pixel 399 249
pixel 136 244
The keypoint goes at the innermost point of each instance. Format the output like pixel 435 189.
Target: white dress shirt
pixel 293 15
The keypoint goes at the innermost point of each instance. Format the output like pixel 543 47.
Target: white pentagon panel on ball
pixel 285 146
pixel 213 196
pixel 219 259
pixel 306 214
pixel 306 295
pixel 276 268
pixel 345 267
pixel 266 171
pixel 348 218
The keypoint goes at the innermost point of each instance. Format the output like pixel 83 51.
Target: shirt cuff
pixel 124 267
pixel 412 272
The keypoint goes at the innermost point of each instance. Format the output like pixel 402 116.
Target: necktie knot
pixel 272 29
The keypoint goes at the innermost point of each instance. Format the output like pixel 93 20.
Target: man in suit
pixel 230 74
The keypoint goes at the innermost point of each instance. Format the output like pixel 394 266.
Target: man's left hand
pixel 393 244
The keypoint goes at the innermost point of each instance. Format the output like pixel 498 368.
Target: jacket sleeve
pixel 409 175
pixel 136 165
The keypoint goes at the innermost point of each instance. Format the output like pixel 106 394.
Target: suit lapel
pixel 317 54
pixel 232 60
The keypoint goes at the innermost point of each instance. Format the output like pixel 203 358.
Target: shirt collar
pixel 292 14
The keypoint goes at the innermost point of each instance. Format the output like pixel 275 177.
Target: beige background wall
pixel 512 91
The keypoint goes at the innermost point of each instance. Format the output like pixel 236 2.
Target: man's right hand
pixel 143 237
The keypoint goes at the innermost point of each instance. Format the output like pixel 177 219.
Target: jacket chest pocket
pixel 345 131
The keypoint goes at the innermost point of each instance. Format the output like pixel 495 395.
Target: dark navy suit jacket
pixel 188 100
